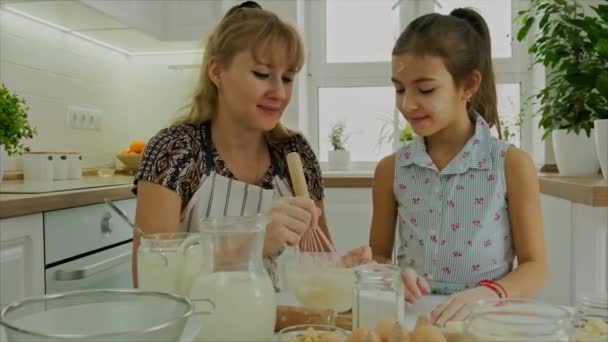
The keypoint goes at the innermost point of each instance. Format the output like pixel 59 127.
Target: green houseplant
pixel 388 131
pixel 339 156
pixel 14 125
pixel 406 133
pixel 572 46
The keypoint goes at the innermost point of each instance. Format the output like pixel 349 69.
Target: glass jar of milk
pixel 166 264
pixel 237 282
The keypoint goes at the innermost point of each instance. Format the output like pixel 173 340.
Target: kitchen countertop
pixel 18 204
pixel 588 190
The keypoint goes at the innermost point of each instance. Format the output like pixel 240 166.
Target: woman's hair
pixel 245 27
pixel 462 41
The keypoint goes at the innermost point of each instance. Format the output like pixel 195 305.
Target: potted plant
pixel 599 29
pixel 14 125
pixel 406 134
pixel 566 44
pixel 339 157
pixel 388 132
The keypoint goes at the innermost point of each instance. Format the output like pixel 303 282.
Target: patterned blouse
pixel 454 224
pixel 176 159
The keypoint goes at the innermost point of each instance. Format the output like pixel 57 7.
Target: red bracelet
pixel 501 288
pixel 497 288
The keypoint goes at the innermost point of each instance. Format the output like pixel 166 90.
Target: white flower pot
pixel 575 153
pixel 2 162
pixel 339 160
pixel 601 144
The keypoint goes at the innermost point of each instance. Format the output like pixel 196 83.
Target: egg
pixel 427 333
pixel 423 320
pixel 398 333
pixel 384 328
pixel 371 336
pixel 357 335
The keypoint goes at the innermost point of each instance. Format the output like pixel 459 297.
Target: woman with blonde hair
pixel 227 156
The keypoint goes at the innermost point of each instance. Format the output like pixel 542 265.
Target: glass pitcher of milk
pixel 234 278
pixel 168 262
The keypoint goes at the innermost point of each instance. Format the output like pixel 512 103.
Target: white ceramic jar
pixel 38 166
pixel 60 166
pixel 74 165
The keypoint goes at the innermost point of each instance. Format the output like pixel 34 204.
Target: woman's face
pixel 254 93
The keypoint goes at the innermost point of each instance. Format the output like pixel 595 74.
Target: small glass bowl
pixel 290 334
pixel 320 281
pixel 516 320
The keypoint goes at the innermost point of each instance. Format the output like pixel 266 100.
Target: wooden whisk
pixel 314 240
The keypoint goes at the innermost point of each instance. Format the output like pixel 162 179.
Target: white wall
pixel 138 95
pixel 156 92
pixel 51 70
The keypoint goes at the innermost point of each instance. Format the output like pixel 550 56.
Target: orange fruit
pixel 125 151
pixel 137 146
pixel 132 152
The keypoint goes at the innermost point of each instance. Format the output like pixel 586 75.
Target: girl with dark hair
pixel 466 204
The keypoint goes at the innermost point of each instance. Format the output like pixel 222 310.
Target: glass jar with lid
pixel 516 320
pixel 378 294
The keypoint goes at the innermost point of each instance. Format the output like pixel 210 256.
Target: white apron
pixel 219 196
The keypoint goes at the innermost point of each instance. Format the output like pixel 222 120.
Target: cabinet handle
pixel 104 224
pixel 85 272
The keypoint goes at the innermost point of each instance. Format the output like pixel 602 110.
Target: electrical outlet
pixel 83 118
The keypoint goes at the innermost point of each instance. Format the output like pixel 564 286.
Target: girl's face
pixel 254 93
pixel 426 94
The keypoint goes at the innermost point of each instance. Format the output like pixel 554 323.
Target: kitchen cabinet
pixel 349 215
pixel 557 217
pixel 101 258
pixel 577 243
pixel 590 245
pixel 21 258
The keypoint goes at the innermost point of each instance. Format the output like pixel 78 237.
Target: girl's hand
pixel 358 256
pixel 415 286
pixel 458 306
pixel 290 218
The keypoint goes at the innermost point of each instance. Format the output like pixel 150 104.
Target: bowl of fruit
pixel 131 157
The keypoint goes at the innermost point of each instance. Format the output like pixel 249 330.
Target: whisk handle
pixel 296 172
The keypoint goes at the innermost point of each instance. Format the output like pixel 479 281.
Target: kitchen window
pixel 349 70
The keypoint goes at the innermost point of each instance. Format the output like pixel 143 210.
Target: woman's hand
pixel 415 286
pixel 457 306
pixel 290 217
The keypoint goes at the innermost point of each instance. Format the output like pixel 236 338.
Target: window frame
pixel 320 74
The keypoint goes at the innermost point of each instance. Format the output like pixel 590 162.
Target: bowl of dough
pixel 313 333
pixel 320 280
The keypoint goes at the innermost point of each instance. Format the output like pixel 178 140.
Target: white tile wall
pixel 51 70
pixel 157 92
pixel 138 95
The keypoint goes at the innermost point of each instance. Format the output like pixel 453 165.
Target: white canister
pixel 38 166
pixel 74 165
pixel 60 166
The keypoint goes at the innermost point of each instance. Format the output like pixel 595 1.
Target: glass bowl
pixel 518 320
pixel 298 332
pixel 320 280
pixel 97 315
